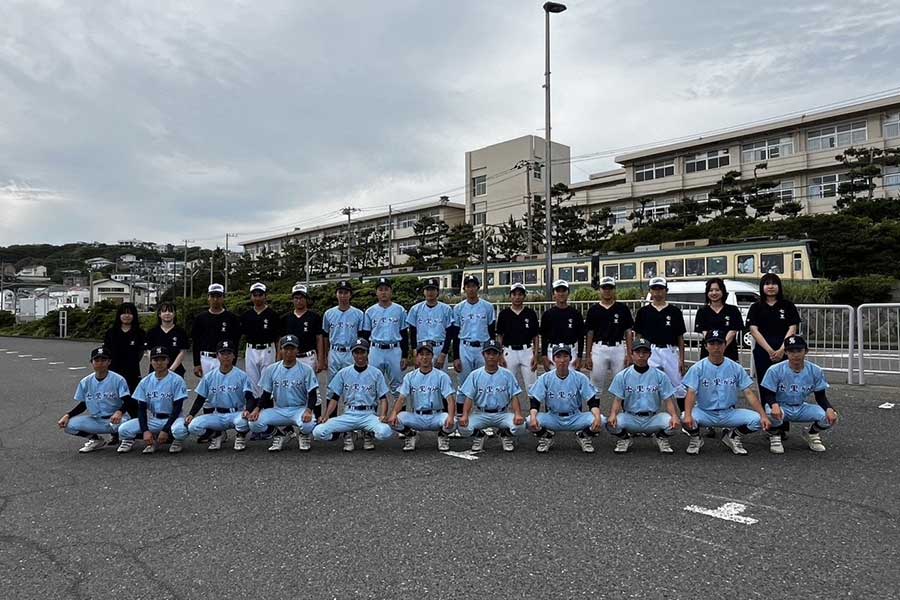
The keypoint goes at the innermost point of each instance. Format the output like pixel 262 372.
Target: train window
pixel 675 268
pixel 611 271
pixel 695 298
pixel 716 265
pixel 565 273
pixel 531 277
pixel 581 273
pixel 649 269
pixel 694 267
pixel 771 263
pixel 518 277
pixel 504 277
pixel 490 278
pixel 628 271
pixel 746 264
pixel 798 263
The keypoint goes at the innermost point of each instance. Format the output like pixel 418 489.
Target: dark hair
pixel 130 308
pixel 718 281
pixel 168 306
pixel 767 279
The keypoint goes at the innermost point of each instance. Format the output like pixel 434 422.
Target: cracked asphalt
pixel 388 524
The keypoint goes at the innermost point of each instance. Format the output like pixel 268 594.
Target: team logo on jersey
pixel 265 323
pixel 306 327
pixel 174 342
pixel 527 321
pixel 616 319
pixel 727 320
pixel 641 389
pixel 131 343
pixel 668 320
pixel 718 381
pixel 571 324
pixel 781 314
pixel 224 327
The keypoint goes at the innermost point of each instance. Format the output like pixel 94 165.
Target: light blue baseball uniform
pixel 427 395
pixel 342 328
pixel 385 325
pixel 791 391
pixel 102 398
pixel 563 398
pixel 361 392
pixel 643 396
pixel 431 323
pixel 491 394
pixel 716 389
pixel 290 388
pixel 473 321
pixel 158 397
pixel 223 391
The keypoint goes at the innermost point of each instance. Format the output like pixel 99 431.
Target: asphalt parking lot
pixel 386 524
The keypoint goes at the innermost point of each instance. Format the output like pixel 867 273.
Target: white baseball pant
pixel 666 358
pixel 255 360
pixel 519 362
pixel 608 360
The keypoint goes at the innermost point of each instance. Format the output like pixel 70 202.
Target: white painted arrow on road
pixel 730 511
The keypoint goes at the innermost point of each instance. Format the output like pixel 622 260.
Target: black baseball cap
pixel 715 335
pixel 491 345
pixel 424 347
pixel 225 346
pixel 795 342
pixel 360 344
pixel 158 352
pixel 640 343
pixel 558 348
pixel 100 352
pixel 344 285
pixel 432 282
pixel 384 281
pixel 289 340
pixel 471 279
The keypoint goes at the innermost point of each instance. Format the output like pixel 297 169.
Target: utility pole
pixel 390 237
pixel 227 235
pixel 549 7
pixel 484 273
pixel 349 210
pixel 184 269
pixel 211 263
pixel 306 255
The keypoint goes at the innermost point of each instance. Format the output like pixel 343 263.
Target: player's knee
pixel 321 433
pixel 257 426
pixel 196 427
pixel 383 432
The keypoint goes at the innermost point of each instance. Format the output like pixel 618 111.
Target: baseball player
pixel 227 390
pixel 306 325
pixel 432 402
pixel 340 327
pixel 104 395
pixel 430 321
pixel 785 388
pixel 609 336
pixel 288 399
pixel 562 324
pixel 261 328
pixel 475 318
pixel 364 391
pixel 562 392
pixel 492 389
pixel 640 393
pixel 517 332
pixel 161 394
pixel 385 327
pixel 712 393
pixel 663 324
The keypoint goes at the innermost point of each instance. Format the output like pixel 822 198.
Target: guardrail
pixel 878 331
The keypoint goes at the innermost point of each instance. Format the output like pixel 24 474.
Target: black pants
pixel 761 362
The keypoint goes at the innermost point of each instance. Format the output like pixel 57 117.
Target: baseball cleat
pixel 694 445
pixel 240 442
pixel 734 442
pixel 490 431
pixel 91 445
pixel 175 447
pixel 125 446
pixel 814 441
pixel 443 443
pixel 149 449
pixel 622 445
pixel 508 443
pixel 369 441
pixel 277 443
pixel 303 442
pixel 544 444
pixel 349 445
pixel 478 444
pixel 663 444
pixel 409 444
pixel 216 443
pixel 775 444
pixel 586 443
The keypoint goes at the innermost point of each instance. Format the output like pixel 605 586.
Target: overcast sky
pixel 156 121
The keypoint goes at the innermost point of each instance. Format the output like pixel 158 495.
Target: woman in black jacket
pixel 125 343
pixel 718 314
pixel 771 319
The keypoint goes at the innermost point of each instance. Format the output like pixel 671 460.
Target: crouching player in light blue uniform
pixel 563 391
pixel 227 390
pixel 491 389
pixel 639 393
pixel 432 402
pixel 161 394
pixel 785 388
pixel 364 391
pixel 105 396
pixel 713 385
pixel 288 397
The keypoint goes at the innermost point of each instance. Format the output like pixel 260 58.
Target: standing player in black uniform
pixel 717 314
pixel 306 324
pixel 663 325
pixel 170 336
pixel 609 336
pixel 517 333
pixel 261 328
pixel 562 324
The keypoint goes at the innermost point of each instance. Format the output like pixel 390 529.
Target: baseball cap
pixel 99 352
pixel 490 345
pixel 658 282
pixel 384 281
pixel 608 282
pixel 299 289
pixel 360 344
pixel 289 340
pixel 432 282
pixel 640 343
pixel 471 279
pixel 518 286
pixel 344 285
pixel 216 288
pixel 424 347
pixel 158 352
pixel 258 287
pixel 795 342
pixel 715 335
pixel 559 348
pixel 560 283
pixel 225 346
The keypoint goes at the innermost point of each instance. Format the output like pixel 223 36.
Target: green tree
pixel 510 239
pixel 728 197
pixel 857 193
pixel 638 216
pixel 430 233
pixel 597 231
pixel 461 241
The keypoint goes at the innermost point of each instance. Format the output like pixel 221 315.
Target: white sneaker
pixel 663 444
pixel 369 441
pixel 409 444
pixel 349 446
pixel 622 445
pixel 490 431
pixel 478 444
pixel 544 444
pixel 509 443
pixel 277 443
pixel 443 443
pixel 175 447
pixel 586 443
pixel 91 445
pixel 814 441
pixel 775 444
pixel 734 442
pixel 303 442
pixel 694 445
pixel 149 449
pixel 216 443
pixel 240 442
pixel 125 446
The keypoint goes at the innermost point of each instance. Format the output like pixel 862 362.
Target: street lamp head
pixel 554 7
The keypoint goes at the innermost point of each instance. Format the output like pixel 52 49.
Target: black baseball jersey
pixel 305 327
pixel 174 342
pixel 210 329
pixel 126 349
pixel 773 320
pixel 517 329
pixel 660 327
pixel 261 328
pixel 609 324
pixel 562 326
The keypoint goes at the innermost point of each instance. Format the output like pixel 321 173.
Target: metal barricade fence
pixel 879 339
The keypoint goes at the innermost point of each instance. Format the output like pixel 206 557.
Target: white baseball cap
pixel 258 286
pixel 608 282
pixel 518 286
pixel 299 289
pixel 658 282
pixel 560 283
pixel 216 288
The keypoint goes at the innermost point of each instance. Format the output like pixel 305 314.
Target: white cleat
pixel 277 444
pixel 149 449
pixel 216 443
pixel 490 432
pixel 175 447
pixel 478 444
pixel 508 443
pixel 91 445
pixel 586 443
pixel 409 444
pixel 240 442
pixel 443 443
pixel 775 444
pixel 734 442
pixel 125 446
pixel 663 444
pixel 694 445
pixel 544 444
pixel 303 442
pixel 369 441
pixel 349 445
pixel 814 441
pixel 622 445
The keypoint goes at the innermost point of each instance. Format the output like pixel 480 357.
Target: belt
pixel 425 412
pixel 519 346
pixel 645 413
pixel 340 348
pixel 611 344
pixel 161 415
pixel 204 353
pixel 306 354
pixel 493 410
pixel 471 343
pixel 226 410
pixel 104 416
pixel 386 346
pixel 361 407
pixel 434 343
pixel 259 346
pixel 565 414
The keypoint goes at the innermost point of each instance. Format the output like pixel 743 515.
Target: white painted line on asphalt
pixel 3 349
pixel 886 405
pixel 13 352
pixel 76 368
pixel 38 359
pixel 730 511
pixel 26 355
pixel 466 455
pixel 56 363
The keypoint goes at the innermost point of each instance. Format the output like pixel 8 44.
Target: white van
pixel 740 294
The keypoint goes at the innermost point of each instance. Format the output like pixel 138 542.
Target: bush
pixel 7 319
pixel 862 290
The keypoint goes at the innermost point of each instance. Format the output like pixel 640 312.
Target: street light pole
pixel 549 7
